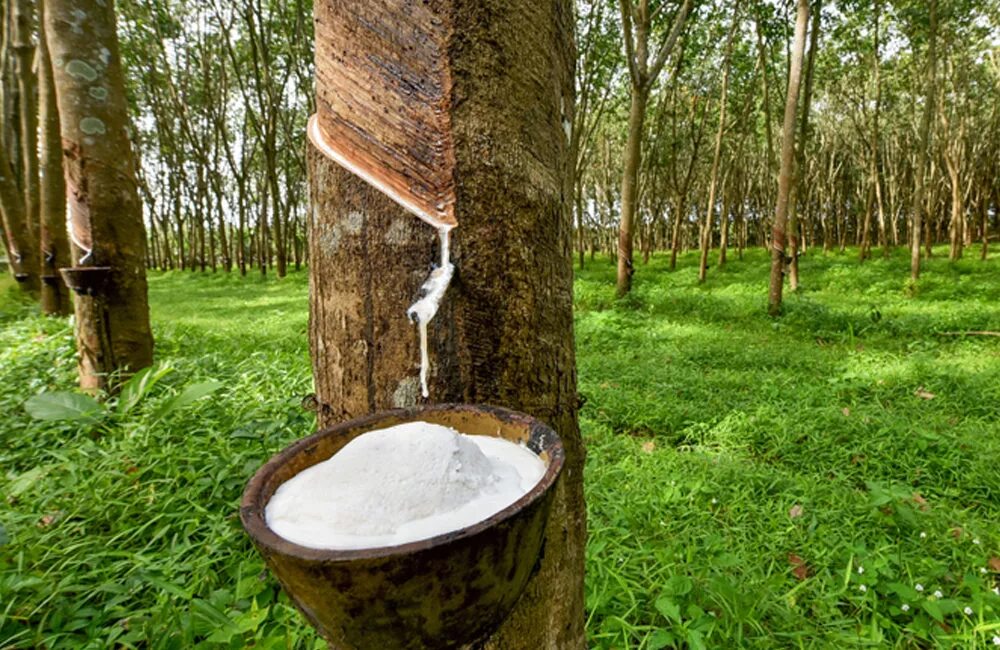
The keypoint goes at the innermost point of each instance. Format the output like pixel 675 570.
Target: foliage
pixel 759 483
pixel 741 470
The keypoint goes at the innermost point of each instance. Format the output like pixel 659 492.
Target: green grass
pixel 708 424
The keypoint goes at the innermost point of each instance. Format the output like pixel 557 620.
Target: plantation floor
pixel 829 479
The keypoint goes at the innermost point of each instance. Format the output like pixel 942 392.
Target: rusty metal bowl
pixel 443 592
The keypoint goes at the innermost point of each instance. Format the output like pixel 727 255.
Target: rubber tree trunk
pixel 630 189
pixel 27 83
pixel 504 334
pixel 920 173
pixel 112 325
pixel 785 176
pixel 798 170
pixel 54 247
pixel 19 211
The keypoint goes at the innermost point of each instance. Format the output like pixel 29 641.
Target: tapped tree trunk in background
pixel 112 325
pixel 21 246
pixel 785 177
pixel 504 334
pixel 27 82
pixel 52 191
pixel 19 202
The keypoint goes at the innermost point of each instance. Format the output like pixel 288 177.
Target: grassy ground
pixel 751 482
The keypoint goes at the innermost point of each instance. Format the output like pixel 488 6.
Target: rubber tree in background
pixel 19 200
pixel 54 245
pixel 785 175
pixel 112 320
pixel 923 144
pixel 637 23
pixel 504 333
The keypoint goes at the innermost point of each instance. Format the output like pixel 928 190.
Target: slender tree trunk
pixel 787 162
pixel 798 169
pixel 508 133
pixel 723 229
pixel 54 247
pixel 706 231
pixel 923 145
pixel 18 211
pixel 27 81
pixel 112 322
pixel 630 187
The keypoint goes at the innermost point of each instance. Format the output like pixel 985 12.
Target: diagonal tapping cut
pixel 383 97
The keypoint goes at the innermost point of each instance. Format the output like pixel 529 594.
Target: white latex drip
pixel 432 291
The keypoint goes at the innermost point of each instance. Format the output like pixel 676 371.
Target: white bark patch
pixel 398 232
pixel 77 23
pixel 406 393
pixel 329 236
pixel 81 70
pixel 92 126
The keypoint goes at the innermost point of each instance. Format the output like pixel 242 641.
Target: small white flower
pixel 919 587
pixel 861 570
pixel 923 535
pixel 976 541
pixel 996 590
pixel 996 640
pixel 938 594
pixel 968 611
pixel 863 588
pixel 905 607
pixel 982 569
pixel 714 501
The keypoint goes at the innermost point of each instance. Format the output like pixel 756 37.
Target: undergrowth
pixel 827 479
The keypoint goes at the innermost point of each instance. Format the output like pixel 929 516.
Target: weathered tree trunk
pixel 787 162
pixel 923 144
pixel 504 333
pixel 112 324
pixel 52 192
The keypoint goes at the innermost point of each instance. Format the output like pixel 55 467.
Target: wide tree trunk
pixel 112 320
pixel 785 177
pixel 52 195
pixel 504 334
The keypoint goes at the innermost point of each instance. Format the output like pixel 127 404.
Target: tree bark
pixel 27 81
pixel 706 230
pixel 787 162
pixel 52 195
pixel 630 185
pixel 112 324
pixel 504 333
pixel 798 169
pixel 930 95
pixel 16 203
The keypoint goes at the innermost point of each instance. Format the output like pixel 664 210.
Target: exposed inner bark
pixel 383 98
